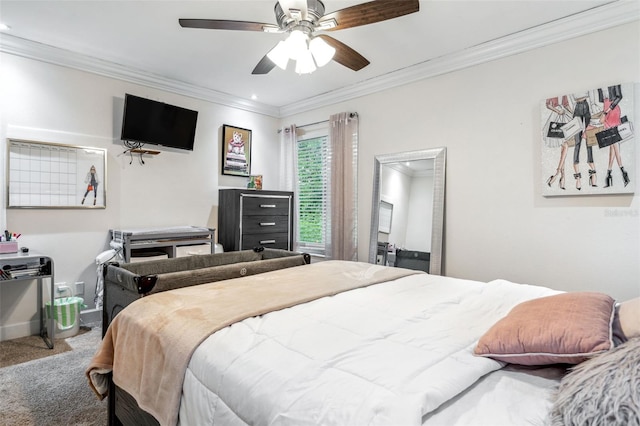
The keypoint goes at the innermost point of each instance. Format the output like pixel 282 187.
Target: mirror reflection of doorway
pixel 407 188
pixel 412 183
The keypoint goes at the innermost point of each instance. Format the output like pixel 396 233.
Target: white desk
pixel 44 266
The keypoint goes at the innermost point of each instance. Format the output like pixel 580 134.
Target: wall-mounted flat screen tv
pixel 146 121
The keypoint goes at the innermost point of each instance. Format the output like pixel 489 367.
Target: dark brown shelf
pixel 144 151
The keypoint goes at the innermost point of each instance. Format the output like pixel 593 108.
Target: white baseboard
pixel 14 331
pixel 31 328
pixel 90 316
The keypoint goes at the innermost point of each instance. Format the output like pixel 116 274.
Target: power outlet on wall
pixel 62 289
pixel 79 288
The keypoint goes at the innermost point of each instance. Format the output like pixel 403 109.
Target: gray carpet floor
pixel 53 390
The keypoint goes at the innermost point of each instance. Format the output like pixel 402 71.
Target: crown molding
pixel 597 19
pixel 66 58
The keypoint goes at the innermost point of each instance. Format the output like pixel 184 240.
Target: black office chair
pixel 410 259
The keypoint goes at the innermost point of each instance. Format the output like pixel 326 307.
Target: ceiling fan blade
pixel 223 24
pixel 264 66
pixel 368 13
pixel 344 54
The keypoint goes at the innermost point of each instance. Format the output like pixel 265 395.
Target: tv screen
pixel 148 121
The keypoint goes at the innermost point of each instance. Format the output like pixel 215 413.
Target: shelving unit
pixel 28 267
pixel 165 240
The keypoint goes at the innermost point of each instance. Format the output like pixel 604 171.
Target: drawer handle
pixel 267 224
pixel 268 242
pixel 268 206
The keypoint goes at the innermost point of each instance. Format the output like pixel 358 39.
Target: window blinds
pixel 313 193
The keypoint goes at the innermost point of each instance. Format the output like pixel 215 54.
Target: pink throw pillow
pixel 565 328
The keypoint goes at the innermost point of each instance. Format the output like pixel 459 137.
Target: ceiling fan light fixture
pixel 322 52
pixel 297 44
pixel 305 64
pixel 301 19
pixel 279 55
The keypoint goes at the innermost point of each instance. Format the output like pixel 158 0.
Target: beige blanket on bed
pixel 149 344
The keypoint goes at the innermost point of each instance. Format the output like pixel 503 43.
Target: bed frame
pixel 124 283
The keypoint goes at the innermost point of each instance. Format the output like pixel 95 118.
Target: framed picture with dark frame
pixel 236 151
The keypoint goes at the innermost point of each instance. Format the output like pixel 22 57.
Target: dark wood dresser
pixel 255 218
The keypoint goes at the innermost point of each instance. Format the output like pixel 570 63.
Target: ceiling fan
pixel 301 19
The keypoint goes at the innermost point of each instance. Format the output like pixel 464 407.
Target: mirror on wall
pixel 407 214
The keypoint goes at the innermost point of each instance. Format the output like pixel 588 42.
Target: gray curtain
pixel 288 159
pixel 342 240
pixel 289 170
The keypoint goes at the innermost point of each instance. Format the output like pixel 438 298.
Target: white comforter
pixel 388 354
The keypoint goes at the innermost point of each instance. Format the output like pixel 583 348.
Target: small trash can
pixel 66 315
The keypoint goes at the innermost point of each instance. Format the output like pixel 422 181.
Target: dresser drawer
pixel 252 206
pixel 272 240
pixel 265 224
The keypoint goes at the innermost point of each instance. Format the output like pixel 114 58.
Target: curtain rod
pixel 305 125
pixel 351 115
pixel 312 124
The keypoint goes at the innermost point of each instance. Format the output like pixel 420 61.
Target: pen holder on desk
pixel 8 247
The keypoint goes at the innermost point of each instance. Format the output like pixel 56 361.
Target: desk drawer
pixel 252 206
pixel 272 240
pixel 265 224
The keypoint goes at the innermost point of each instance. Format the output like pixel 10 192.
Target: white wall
pixel 54 104
pixel 420 214
pixel 497 224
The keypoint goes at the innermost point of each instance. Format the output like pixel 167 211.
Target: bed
pixel 345 343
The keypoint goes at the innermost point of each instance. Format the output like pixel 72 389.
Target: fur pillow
pixel 564 328
pixel 604 390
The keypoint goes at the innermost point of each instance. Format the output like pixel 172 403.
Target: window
pixel 312 194
pixel 321 167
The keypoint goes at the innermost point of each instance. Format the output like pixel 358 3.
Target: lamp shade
pixel 305 64
pixel 321 51
pixel 297 44
pixel 279 55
